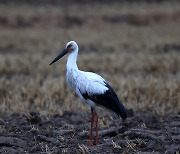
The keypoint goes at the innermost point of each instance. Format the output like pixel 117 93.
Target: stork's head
pixel 70 47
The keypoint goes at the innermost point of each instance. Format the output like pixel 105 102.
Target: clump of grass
pixel 145 77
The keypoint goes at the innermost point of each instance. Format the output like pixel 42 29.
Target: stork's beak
pixel 62 53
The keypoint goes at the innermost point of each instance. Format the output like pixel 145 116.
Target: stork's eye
pixel 69 46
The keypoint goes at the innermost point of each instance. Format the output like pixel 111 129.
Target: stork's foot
pixel 90 143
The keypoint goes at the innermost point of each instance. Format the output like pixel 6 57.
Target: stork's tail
pixel 121 111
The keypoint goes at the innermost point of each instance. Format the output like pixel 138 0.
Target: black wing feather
pixel 109 100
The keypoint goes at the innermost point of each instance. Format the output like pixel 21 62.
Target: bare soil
pixel 69 133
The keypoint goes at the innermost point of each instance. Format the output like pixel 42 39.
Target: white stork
pixel 90 87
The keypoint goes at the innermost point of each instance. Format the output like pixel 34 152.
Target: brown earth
pixel 69 133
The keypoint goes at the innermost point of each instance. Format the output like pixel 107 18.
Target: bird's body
pixel 90 87
pixel 86 83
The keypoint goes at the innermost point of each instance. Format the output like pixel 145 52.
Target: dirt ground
pixel 134 45
pixel 69 133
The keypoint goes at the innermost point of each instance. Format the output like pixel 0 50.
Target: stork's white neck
pixel 71 61
pixel 72 69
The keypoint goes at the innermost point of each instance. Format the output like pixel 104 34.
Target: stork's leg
pixel 96 120
pixel 92 121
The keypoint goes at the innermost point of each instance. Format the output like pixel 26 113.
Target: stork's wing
pixel 99 91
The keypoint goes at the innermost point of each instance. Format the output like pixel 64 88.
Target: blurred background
pixel 134 45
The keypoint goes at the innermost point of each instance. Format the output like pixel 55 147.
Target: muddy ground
pixel 69 133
